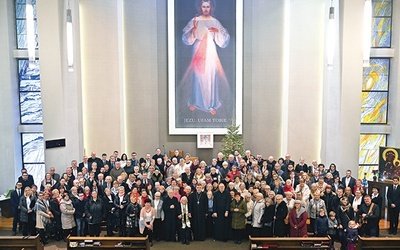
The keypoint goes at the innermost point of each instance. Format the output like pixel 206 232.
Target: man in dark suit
pixel 25 179
pixel 84 163
pixel 393 196
pixel 14 200
pixel 348 180
pixel 94 158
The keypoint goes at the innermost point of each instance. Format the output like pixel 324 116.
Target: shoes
pixel 151 244
pixel 14 233
pixel 239 242
pixel 394 233
pixel 187 242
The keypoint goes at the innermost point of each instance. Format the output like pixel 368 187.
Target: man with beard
pixel 220 213
pixel 198 206
pixel 172 209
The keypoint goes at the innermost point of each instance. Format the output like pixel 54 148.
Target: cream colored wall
pixel 102 76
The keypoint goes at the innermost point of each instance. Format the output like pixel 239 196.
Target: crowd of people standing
pixel 178 198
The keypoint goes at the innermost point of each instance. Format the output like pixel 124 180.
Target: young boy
pixel 321 224
pixel 332 227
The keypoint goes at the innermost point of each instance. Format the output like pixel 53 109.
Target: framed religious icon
pixel 389 162
pixel 205 140
pixel 205 43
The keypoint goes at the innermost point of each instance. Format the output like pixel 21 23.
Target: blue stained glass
pixel 382 7
pixel 381 32
pixel 37 171
pixel 22 42
pixel 376 76
pixel 33 147
pixel 31 107
pixel 20 7
pixel 28 72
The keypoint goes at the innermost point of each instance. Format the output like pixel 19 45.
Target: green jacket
pixel 238 218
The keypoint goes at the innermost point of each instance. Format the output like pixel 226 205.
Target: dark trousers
pixel 110 224
pixel 16 221
pixel 185 235
pixel 237 234
pixel 257 232
pixel 148 232
pixel 132 231
pixel 393 218
pixel 157 227
pixel 42 236
pixel 94 229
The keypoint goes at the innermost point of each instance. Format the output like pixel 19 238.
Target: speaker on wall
pixel 55 143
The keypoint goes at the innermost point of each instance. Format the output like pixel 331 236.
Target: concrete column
pixel 9 101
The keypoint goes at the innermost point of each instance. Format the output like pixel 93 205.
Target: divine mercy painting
pixel 205 59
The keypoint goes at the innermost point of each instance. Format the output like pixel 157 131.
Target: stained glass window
pixel 381 30
pixel 30 95
pixel 369 153
pixel 33 155
pixel 374 102
pixel 20 7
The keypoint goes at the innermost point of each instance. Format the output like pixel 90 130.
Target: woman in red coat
pixel 298 220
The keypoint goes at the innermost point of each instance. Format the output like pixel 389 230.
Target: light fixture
pixel 331 37
pixel 30 32
pixel 70 41
pixel 367 32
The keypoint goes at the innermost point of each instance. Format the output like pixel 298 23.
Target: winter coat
pixel 332 225
pixel 94 211
pixel 314 207
pixel 298 222
pixel 23 217
pixel 321 226
pixel 258 211
pixel 239 218
pixel 42 216
pixel 67 214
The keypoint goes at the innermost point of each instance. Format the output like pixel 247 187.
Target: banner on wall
pixel 389 162
pixel 204 65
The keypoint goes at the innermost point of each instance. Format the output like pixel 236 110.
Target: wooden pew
pixel 108 242
pixel 20 242
pixel 378 243
pixel 289 243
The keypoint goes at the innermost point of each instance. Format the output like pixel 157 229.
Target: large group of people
pixel 175 198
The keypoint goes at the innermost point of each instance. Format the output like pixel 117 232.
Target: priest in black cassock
pixel 222 201
pixel 172 209
pixel 198 206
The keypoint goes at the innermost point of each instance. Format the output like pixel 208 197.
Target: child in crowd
pixel 351 235
pixel 321 224
pixel 332 227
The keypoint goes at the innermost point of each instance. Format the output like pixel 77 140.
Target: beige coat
pixel 67 214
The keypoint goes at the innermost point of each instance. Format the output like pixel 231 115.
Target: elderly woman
pixel 314 207
pixel 258 211
pixel 67 215
pixel 43 216
pixel 27 204
pixel 268 217
pixel 298 220
pixel 238 210
pixel 95 213
pixel 281 212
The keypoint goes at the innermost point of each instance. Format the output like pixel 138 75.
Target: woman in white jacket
pixel 67 215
